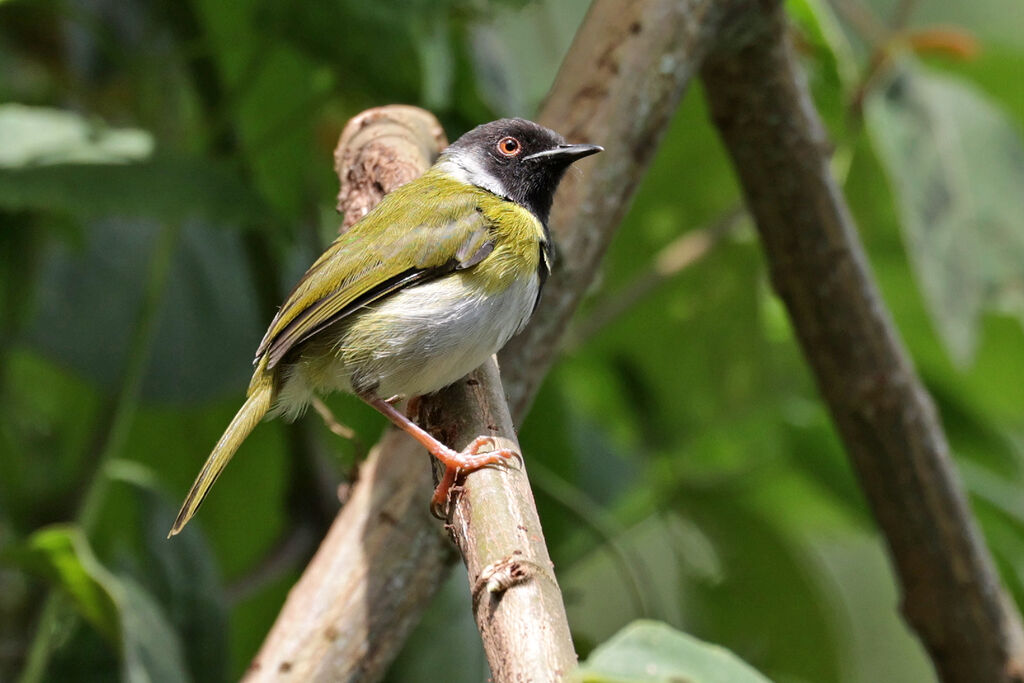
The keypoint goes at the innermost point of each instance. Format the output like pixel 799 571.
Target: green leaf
pixel 89 298
pixel 825 35
pixel 432 39
pixel 117 606
pixel 151 649
pixel 33 136
pixel 652 652
pixel 162 187
pixel 183 575
pixel 956 165
pixel 65 557
pixel 514 69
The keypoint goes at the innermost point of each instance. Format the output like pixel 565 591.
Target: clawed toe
pixel 468 460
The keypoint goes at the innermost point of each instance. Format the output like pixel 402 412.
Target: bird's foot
pixel 468 460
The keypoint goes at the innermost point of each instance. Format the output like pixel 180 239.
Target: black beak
pixel 565 154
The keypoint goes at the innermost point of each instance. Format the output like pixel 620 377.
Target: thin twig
pixel 632 569
pixel 678 255
pixel 331 422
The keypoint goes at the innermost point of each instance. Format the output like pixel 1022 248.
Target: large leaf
pixel 117 606
pixel 33 136
pixel 88 303
pixel 956 166
pixel 162 187
pixel 652 652
pixel 183 575
pixel 55 160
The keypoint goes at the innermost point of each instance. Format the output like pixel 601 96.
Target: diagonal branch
pixel 951 594
pixel 619 85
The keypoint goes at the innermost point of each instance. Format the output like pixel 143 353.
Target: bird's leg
pixel 455 462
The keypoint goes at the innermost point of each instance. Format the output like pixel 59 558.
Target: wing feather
pixel 379 256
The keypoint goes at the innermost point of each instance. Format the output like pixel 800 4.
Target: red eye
pixel 509 147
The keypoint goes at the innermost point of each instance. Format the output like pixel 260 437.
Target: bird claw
pixel 468 460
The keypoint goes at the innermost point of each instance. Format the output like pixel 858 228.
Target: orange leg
pixel 454 461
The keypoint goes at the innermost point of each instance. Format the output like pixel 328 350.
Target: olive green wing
pixel 400 244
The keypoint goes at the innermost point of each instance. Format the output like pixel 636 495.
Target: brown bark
pixel 380 149
pixel 951 594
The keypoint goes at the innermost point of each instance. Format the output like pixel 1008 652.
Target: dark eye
pixel 509 147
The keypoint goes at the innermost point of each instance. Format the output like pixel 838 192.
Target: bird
pixel 415 295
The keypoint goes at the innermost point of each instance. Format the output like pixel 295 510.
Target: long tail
pixel 261 396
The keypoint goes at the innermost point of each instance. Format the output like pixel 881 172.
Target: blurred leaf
pixel 47 418
pixel 89 299
pixel 117 606
pixel 516 52
pixel 67 559
pixel 432 39
pixel 37 136
pixel 151 650
pixel 182 574
pixel 639 577
pixel 652 652
pixel 162 187
pixel 824 34
pixel 956 165
pixel 877 644
pixel 771 605
pixel 993 21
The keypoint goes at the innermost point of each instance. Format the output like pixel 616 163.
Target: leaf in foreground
pixel 653 652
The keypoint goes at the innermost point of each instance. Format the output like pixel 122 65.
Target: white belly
pixel 416 341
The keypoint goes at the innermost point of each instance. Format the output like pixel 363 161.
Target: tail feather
pixel 261 396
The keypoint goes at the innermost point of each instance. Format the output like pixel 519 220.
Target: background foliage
pixel 165 175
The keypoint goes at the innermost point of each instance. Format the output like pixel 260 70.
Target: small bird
pixel 421 291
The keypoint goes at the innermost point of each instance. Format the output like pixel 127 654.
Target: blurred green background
pixel 166 175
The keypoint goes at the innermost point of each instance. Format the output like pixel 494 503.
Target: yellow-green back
pixel 424 229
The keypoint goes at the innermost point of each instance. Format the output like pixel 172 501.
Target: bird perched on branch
pixel 421 291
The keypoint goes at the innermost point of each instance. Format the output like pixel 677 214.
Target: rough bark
pixel 951 593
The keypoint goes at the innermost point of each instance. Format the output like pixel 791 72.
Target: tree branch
pixel 951 594
pixel 516 600
pixel 383 557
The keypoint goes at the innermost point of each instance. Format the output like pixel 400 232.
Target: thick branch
pixel 951 594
